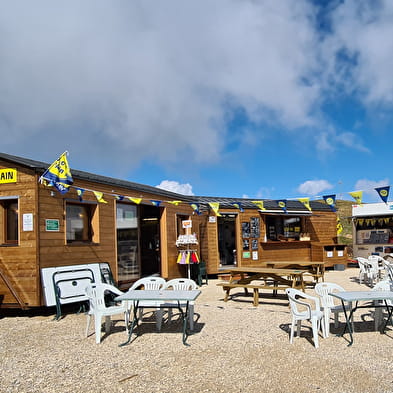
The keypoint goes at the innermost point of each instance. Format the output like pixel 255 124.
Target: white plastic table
pixel 163 298
pixel 368 296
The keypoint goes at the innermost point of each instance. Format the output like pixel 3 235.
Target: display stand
pixel 187 250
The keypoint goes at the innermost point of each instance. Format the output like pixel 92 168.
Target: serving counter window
pixel 283 228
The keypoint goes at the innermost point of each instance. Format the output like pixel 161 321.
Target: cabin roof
pixel 270 205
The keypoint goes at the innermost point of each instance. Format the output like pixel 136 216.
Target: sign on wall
pixel 52 225
pixel 8 175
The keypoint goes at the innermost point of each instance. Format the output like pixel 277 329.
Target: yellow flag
pixel 215 206
pixel 339 226
pixel 357 196
pixel 306 202
pixel 99 196
pixel 174 202
pixel 135 200
pixel 259 204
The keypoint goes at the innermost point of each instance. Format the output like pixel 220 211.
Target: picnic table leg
pixel 256 297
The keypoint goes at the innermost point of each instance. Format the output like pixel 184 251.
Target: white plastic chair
pixel 329 303
pixel 302 310
pixel 150 283
pixel 96 295
pixel 381 286
pixel 180 284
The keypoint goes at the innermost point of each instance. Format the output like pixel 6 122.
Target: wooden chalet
pixel 134 228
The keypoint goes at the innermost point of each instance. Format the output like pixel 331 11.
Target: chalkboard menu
pixel 245 230
pixel 254 224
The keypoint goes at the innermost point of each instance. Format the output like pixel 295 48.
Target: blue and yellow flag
pixel 383 192
pixel 59 174
pixel 331 201
pixel 282 203
pixel 195 207
pixel 259 204
pixel 238 205
pixel 80 192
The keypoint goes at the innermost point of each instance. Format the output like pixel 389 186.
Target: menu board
pixel 254 227
pixel 245 230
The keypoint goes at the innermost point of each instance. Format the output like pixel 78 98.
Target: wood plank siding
pixel 40 248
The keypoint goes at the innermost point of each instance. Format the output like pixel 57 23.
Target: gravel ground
pixel 236 348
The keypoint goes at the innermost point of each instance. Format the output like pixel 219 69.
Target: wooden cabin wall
pixel 18 262
pixel 322 226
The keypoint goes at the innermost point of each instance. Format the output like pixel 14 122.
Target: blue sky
pixel 258 99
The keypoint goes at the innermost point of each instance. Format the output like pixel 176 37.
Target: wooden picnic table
pixel 257 278
pixel 314 268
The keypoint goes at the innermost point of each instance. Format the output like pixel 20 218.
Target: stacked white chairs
pixel 366 272
pixel 376 263
pixel 179 284
pixel 150 283
pixel 96 294
pixel 302 310
pixel 382 286
pixel 388 270
pixel 330 303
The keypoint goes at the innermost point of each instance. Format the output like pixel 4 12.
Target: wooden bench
pixel 227 286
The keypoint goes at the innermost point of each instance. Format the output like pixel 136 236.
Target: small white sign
pixel 28 222
pixel 340 253
pixel 329 254
pixel 255 255
pixel 212 219
pixel 187 224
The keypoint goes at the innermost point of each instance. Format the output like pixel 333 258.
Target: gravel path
pixel 236 348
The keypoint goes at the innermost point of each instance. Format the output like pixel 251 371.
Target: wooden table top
pixel 299 263
pixel 265 270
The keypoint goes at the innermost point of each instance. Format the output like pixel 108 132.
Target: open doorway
pixel 150 240
pixel 227 239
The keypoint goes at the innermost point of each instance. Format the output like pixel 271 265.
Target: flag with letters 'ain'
pixel 59 174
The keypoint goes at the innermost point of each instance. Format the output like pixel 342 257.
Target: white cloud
pixel 314 187
pixel 128 81
pixel 363 42
pixel 174 186
pixel 368 188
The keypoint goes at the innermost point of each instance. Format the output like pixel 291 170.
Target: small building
pixel 372 229
pixel 135 228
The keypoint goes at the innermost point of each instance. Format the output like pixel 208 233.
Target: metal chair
pixel 323 289
pixel 179 284
pixel 302 310
pixel 96 294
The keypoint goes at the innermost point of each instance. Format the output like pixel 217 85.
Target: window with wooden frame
pixel 9 221
pixel 81 223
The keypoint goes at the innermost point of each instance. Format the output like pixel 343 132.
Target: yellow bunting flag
pixel 174 202
pixel 215 206
pixel 339 226
pixel 259 204
pixel 306 202
pixel 135 200
pixel 357 196
pixel 99 196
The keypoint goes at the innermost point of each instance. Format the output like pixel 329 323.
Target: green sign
pixel 52 225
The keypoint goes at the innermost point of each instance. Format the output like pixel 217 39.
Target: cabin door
pixel 227 239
